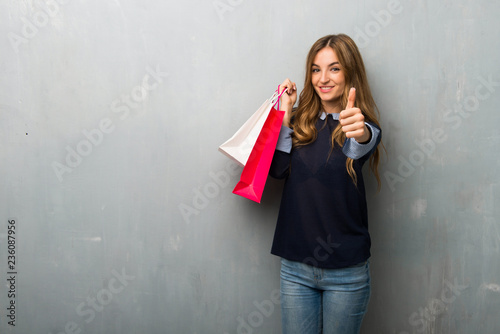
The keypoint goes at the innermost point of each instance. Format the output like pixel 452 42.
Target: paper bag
pixel 254 175
pixel 240 145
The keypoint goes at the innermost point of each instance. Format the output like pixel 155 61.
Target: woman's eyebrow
pixel 334 63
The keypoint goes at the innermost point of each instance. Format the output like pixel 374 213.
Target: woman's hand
pixel 353 121
pixel 288 99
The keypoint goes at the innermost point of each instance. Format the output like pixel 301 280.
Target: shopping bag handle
pixel 275 99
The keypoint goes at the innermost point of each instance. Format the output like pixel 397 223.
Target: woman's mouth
pixel 325 89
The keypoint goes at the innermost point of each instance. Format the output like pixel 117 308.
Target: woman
pixel 322 230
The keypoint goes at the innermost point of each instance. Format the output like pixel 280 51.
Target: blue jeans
pixel 323 301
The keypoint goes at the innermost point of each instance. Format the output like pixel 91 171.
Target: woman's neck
pixel 332 108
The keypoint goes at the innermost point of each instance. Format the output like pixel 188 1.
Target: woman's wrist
pixel 366 137
pixel 287 117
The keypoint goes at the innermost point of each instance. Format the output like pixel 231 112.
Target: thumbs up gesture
pixel 353 121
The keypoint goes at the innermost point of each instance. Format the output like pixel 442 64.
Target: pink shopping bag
pixel 254 175
pixel 240 145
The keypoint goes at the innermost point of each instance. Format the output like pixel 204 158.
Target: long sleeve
pixel 355 150
pixel 285 140
pixel 281 159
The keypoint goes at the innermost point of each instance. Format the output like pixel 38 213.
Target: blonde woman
pixel 322 230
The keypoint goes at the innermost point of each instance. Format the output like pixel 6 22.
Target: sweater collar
pixel 335 116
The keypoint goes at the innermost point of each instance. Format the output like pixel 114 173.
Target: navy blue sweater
pixel 323 217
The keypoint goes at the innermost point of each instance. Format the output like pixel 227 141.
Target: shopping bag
pixel 240 145
pixel 254 175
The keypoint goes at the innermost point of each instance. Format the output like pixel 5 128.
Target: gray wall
pixel 111 113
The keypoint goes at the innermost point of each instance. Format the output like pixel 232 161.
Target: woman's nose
pixel 324 76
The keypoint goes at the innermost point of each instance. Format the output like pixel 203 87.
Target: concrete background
pixel 111 113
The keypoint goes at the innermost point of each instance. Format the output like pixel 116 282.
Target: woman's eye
pixel 335 69
pixel 315 70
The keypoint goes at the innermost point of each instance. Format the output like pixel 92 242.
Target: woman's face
pixel 327 78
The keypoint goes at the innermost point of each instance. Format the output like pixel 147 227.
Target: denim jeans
pixel 323 301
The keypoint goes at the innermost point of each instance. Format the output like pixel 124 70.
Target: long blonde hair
pixel 310 106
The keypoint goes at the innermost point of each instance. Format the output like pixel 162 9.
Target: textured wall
pixel 116 208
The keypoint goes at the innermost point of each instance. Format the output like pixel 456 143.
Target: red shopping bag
pixel 240 145
pixel 254 175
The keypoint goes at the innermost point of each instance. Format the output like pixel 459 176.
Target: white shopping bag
pixel 240 145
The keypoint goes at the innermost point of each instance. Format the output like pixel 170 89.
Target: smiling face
pixel 328 79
